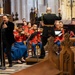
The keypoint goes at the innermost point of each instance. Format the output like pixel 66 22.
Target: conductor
pixel 48 20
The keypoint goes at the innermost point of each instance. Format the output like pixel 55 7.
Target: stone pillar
pixel 12 6
pixel 52 5
pixel 33 3
pixel 42 7
pixel 64 10
pixel 56 6
pixel 17 4
pixel 73 9
pixel 29 6
pixel 39 4
pixel 23 8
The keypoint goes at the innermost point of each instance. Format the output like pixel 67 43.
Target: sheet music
pixel 58 33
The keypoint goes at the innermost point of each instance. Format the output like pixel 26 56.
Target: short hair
pixel 32 9
pixel 7 15
pixel 19 26
pixel 24 19
pixel 73 19
pixel 61 21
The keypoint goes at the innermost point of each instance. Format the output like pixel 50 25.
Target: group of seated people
pixel 28 34
pixel 61 29
pixel 25 35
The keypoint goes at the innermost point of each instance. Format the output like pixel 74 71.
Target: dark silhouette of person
pixel 6 32
pixel 48 20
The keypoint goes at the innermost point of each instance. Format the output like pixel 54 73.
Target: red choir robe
pixel 60 38
pixel 72 34
pixel 25 27
pixel 34 39
pixel 18 37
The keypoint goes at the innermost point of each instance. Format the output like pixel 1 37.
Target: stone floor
pixel 15 68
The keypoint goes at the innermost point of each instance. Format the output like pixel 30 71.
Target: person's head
pixel 35 27
pixel 61 24
pixel 5 18
pixel 23 20
pixel 24 23
pixel 29 24
pixel 73 21
pixel 20 29
pixel 57 24
pixel 48 10
pixel 31 9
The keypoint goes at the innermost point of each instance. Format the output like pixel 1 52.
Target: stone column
pixel 17 4
pixel 12 6
pixel 56 6
pixel 1 3
pixel 65 9
pixel 73 9
pixel 29 6
pixel 33 4
pixel 51 3
pixel 23 8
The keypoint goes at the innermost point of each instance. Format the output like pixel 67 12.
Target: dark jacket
pixel 7 33
pixel 50 18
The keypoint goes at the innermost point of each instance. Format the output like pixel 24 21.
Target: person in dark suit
pixel 6 30
pixel 48 29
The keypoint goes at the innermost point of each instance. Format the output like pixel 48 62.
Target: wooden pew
pixel 48 66
pixel 72 39
pixel 73 47
pixel 66 57
pixel 53 64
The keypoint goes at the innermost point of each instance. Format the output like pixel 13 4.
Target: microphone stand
pixel 2 54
